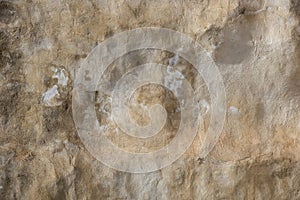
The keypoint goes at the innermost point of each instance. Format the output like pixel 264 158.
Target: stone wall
pixel 255 45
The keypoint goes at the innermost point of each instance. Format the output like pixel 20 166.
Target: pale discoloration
pixel 49 97
pixel 60 76
pixel 233 110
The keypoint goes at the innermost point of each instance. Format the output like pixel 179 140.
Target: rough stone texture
pixel 256 46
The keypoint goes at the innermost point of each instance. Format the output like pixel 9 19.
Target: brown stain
pixel 12 89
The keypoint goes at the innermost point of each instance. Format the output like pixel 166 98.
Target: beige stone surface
pixel 256 47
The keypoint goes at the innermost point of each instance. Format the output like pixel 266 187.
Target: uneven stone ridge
pixel 256 45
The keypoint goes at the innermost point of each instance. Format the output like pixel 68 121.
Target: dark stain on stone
pixel 294 79
pixel 295 7
pixel 235 47
pixel 8 12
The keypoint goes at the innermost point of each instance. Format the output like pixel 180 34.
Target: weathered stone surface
pixel 256 47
